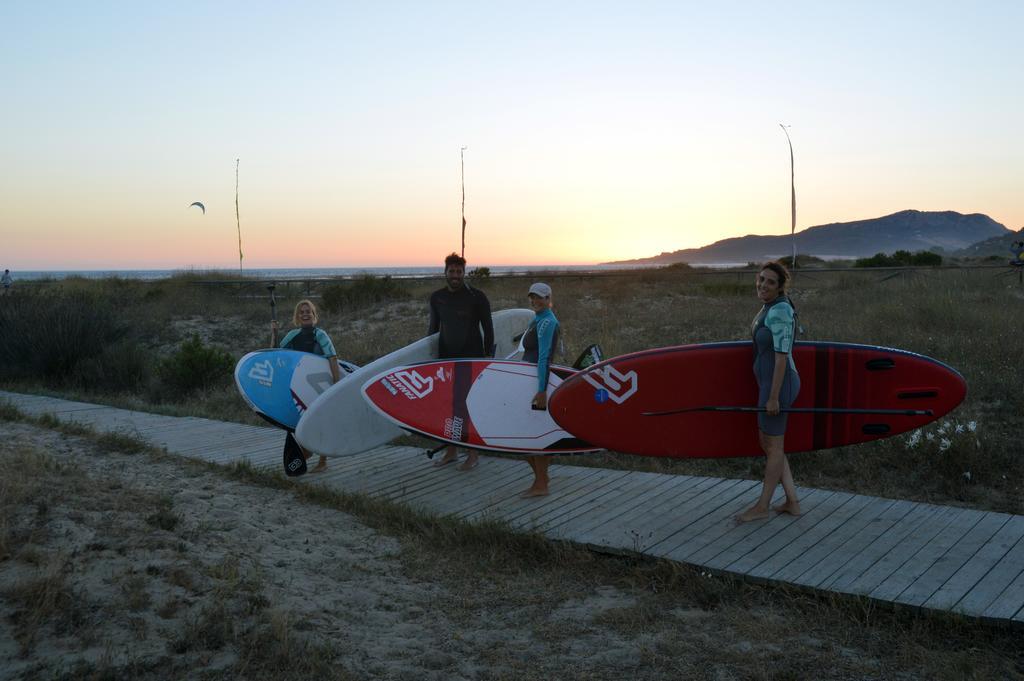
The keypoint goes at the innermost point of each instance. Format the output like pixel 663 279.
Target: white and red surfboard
pixel 700 400
pixel 480 404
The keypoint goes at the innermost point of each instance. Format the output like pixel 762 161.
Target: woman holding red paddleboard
pixel 308 337
pixel 778 384
pixel 538 346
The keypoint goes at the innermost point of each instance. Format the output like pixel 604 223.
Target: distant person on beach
pixel 6 280
pixel 308 337
pixel 462 315
pixel 539 345
pixel 778 384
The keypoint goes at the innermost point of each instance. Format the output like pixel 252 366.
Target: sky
pixel 593 131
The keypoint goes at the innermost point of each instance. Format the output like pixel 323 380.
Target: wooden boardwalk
pixel 902 552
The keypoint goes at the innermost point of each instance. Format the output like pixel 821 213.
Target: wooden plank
pixel 637 489
pixel 741 538
pixel 780 562
pixel 187 443
pixel 803 567
pixel 596 500
pixel 876 551
pixel 769 537
pixel 561 485
pixel 976 584
pixel 912 535
pixel 915 563
pixel 647 520
pixel 947 563
pixel 534 512
pixel 857 544
pixel 1007 605
pixel 510 478
pixel 430 477
pixel 720 517
pixel 627 522
pixel 688 507
pixel 377 471
pixel 613 497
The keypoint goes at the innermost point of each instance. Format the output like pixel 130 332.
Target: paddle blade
pixel 592 355
pixel 294 458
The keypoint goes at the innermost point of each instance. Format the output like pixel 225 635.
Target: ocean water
pixel 301 273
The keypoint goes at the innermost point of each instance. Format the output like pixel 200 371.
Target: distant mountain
pixel 909 230
pixel 997 245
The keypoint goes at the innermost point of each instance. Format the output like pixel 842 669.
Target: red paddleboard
pixel 480 404
pixel 613 404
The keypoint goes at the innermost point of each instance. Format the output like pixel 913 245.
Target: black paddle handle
pixel 798 410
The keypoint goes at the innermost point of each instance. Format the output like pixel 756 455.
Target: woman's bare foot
pixel 321 465
pixel 472 459
pixel 790 507
pixel 753 513
pixel 534 492
pixel 450 456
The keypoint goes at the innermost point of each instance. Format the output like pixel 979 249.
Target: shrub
pixel 480 273
pixel 53 336
pixel 195 366
pixel 123 366
pixel 363 291
pixel 901 258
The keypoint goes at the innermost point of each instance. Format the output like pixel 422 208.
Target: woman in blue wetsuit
pixel 538 346
pixel 778 384
pixel 308 337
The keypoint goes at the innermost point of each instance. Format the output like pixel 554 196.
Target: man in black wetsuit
pixel 460 313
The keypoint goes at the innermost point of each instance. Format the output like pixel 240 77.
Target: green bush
pixel 53 336
pixel 195 366
pixel 362 292
pixel 901 259
pixel 480 273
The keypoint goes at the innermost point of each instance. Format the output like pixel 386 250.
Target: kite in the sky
pixel 201 206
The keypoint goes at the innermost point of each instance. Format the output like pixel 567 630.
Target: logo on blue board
pixel 601 396
pixel 262 373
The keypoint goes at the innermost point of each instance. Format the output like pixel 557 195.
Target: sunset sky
pixel 594 130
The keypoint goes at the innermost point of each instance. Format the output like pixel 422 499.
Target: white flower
pixel 967 476
pixel 944 444
pixel 913 439
pixel 959 428
pixel 929 436
pixel 972 426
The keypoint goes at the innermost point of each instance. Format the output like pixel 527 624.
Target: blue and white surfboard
pixel 279 385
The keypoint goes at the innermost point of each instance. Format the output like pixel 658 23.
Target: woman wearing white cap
pixel 538 346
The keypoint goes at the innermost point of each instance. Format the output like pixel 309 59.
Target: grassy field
pixel 965 318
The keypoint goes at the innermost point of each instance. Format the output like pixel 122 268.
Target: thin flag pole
pixel 462 164
pixel 238 221
pixel 792 192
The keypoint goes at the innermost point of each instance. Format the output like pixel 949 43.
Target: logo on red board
pixel 453 428
pixel 612 384
pixel 413 385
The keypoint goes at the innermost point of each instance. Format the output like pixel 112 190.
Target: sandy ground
pixel 137 593
pixel 133 565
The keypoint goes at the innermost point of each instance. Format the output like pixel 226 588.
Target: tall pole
pixel 792 192
pixel 462 164
pixel 238 221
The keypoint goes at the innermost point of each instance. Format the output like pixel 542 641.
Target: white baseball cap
pixel 541 289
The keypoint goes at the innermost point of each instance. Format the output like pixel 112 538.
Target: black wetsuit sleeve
pixel 484 314
pixel 435 319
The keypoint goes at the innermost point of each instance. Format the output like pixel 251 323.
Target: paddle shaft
pixel 799 410
pixel 273 303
